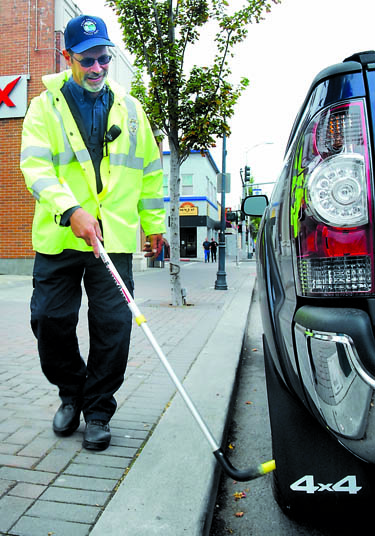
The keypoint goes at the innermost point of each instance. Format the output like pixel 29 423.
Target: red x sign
pixel 4 93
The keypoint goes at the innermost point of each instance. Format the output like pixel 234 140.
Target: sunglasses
pixel 89 62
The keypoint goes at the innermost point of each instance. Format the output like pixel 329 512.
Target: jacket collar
pixel 54 83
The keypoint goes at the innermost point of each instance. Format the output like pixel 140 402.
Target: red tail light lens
pixel 331 205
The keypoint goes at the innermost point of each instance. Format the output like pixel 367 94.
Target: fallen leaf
pixel 248 402
pixel 239 514
pixel 231 446
pixel 254 350
pixel 239 495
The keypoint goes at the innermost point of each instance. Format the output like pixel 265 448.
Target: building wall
pixel 31 40
pixel 27 47
pixel 202 193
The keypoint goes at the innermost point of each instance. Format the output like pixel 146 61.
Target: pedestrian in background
pixel 206 249
pixel 86 132
pixel 213 249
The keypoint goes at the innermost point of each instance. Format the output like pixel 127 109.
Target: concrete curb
pixel 171 488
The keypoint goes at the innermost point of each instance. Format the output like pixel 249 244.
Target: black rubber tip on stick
pixel 243 476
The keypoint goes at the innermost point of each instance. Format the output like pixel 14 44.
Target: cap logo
pixel 89 27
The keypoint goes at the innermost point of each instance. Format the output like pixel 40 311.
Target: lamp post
pixel 257 145
pixel 221 281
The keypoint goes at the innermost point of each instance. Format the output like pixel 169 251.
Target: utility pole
pixel 246 183
pixel 244 223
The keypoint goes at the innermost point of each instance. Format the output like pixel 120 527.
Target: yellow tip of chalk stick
pixel 267 467
pixel 140 319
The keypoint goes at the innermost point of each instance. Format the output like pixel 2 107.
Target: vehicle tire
pixel 315 475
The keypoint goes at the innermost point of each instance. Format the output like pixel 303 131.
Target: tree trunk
pixel 174 187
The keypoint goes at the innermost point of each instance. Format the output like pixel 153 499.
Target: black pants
pixel 55 305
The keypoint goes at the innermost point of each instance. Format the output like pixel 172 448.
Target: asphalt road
pixel 250 436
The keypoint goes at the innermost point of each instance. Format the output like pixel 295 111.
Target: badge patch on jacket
pixel 133 126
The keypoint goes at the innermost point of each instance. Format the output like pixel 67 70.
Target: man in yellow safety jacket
pixel 90 160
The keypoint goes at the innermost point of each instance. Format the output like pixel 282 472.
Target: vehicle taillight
pixel 331 212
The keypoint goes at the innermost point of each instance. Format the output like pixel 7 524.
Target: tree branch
pixel 159 32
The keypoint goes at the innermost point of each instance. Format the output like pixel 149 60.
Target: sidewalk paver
pixel 51 485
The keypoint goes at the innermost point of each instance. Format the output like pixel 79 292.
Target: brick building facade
pixel 31 40
pixel 24 50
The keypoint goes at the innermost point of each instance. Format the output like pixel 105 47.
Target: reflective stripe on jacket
pixel 53 151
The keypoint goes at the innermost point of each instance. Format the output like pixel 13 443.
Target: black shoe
pixel 66 419
pixel 96 435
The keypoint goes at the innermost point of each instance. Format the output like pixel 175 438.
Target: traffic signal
pixel 231 216
pixel 247 173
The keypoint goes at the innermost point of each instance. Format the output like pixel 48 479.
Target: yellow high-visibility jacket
pixel 53 151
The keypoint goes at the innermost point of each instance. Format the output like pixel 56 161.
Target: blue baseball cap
pixel 84 32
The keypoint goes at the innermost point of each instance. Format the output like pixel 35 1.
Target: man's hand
pixel 154 245
pixel 86 227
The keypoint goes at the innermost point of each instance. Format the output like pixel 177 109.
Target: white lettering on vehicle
pixel 306 484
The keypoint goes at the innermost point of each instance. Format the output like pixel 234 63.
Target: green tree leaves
pixel 192 107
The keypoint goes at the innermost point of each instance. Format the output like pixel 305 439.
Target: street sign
pixel 220 182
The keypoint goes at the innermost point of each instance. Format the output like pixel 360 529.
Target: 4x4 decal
pixel 306 484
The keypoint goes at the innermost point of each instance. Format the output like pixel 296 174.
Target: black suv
pixel 316 277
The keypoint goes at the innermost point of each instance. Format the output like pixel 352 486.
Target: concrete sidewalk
pixel 159 475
